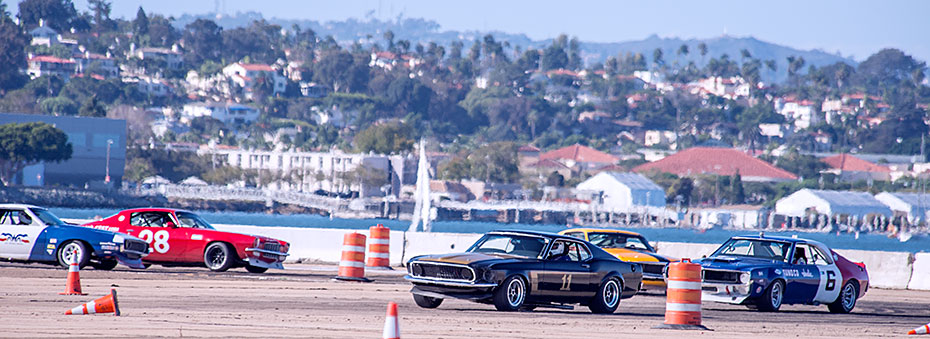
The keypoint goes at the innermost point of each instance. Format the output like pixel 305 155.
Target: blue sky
pixel 852 27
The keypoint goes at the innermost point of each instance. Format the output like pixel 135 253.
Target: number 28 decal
pixel 160 239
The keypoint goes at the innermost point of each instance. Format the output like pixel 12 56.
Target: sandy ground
pixel 303 301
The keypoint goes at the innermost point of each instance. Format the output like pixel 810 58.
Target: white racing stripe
pixel 352 264
pixel 682 307
pixel 684 285
pixel 349 248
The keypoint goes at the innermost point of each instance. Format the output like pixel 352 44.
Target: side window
pixel 573 251
pixel 15 218
pixel 149 219
pixel 6 217
pixel 578 235
pixel 818 257
pixel 802 255
pixel 583 252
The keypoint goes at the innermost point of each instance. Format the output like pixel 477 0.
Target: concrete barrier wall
pixel 920 276
pixel 886 269
pixel 684 250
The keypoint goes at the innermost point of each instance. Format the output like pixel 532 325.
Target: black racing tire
pixel 255 269
pixel 146 265
pixel 607 298
pixel 510 295
pixel 218 257
pixel 847 299
pixel 66 252
pixel 773 297
pixel 104 265
pixel 426 302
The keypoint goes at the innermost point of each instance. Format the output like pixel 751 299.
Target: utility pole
pixel 106 179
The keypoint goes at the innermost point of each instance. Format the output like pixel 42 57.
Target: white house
pixel 228 113
pixel 248 75
pixel 659 137
pixel 802 113
pixel 913 206
pixel 40 65
pixel 831 203
pixel 623 192
pixel 172 57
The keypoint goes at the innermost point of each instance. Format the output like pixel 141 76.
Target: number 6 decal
pixel 831 281
pixel 160 240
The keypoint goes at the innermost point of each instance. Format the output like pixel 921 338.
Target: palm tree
pixel 702 48
pixel 683 50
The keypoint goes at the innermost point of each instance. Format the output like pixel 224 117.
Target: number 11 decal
pixel 566 283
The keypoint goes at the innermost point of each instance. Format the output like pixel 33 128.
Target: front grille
pixel 447 272
pixel 137 246
pixel 272 246
pixel 729 277
pixel 653 268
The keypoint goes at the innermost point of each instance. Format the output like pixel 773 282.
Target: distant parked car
pixel 628 246
pixel 183 238
pixel 766 272
pixel 33 234
pixel 516 270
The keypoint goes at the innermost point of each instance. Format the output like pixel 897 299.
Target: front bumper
pixel 726 293
pixel 264 258
pixel 436 282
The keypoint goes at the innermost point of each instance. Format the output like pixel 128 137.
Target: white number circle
pixel 159 240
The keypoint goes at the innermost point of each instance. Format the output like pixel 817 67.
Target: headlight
pixel 466 274
pixel 745 277
pixel 118 238
pixel 257 243
pixel 416 269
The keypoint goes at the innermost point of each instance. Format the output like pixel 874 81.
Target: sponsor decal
pixel 106 228
pixel 777 271
pixel 807 273
pixel 52 241
pixel 121 218
pixel 792 273
pixel 197 237
pixel 14 239
pixel 50 246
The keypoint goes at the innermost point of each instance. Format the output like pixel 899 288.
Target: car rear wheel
pixel 426 302
pixel 218 257
pixel 846 301
pixel 772 299
pixel 510 295
pixel 104 265
pixel 255 269
pixel 73 251
pixel 607 298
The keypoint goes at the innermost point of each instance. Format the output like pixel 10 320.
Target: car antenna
pixel 761 234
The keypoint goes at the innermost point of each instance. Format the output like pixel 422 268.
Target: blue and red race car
pixel 766 272
pixel 33 234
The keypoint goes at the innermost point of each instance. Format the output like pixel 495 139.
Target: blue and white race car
pixel 33 234
pixel 765 272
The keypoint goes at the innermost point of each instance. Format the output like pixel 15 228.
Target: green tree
pixel 737 193
pixel 92 108
pixel 13 55
pixel 59 105
pixel 389 138
pixel 555 179
pixel 140 26
pixel 203 40
pixel 554 57
pixel 29 143
pixel 58 14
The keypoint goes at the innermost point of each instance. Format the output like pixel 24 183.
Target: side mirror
pixel 171 225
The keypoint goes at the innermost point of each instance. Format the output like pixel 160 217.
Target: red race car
pixel 182 238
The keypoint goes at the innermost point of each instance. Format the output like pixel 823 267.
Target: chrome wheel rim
pixel 515 292
pixel 217 257
pixel 611 293
pixel 776 295
pixel 72 253
pixel 849 297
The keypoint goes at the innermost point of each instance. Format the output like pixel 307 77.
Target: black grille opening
pixel 653 268
pixel 275 247
pixel 723 276
pixel 442 272
pixel 137 246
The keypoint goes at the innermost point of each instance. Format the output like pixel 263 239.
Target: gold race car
pixel 630 247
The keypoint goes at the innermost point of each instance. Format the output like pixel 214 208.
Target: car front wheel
pixel 73 251
pixel 607 298
pixel 427 302
pixel 846 301
pixel 771 300
pixel 218 257
pixel 510 295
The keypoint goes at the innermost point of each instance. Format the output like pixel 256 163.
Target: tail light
pixel 861 266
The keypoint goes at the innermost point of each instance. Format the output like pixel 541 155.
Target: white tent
pixel 193 181
pixel 155 180
pixel 915 206
pixel 625 192
pixel 857 204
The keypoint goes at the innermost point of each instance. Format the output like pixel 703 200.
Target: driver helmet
pixel 558 248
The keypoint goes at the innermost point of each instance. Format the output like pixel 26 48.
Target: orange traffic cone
pixel 925 329
pixel 104 304
pixel 391 323
pixel 73 286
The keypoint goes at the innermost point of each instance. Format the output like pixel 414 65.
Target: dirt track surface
pixel 304 302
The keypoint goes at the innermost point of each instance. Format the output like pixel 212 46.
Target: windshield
pixel 619 240
pixel 47 217
pixel 762 249
pixel 511 244
pixel 191 220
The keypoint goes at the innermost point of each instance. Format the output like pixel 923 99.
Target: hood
pixel 736 263
pixel 98 232
pixel 465 258
pixel 627 254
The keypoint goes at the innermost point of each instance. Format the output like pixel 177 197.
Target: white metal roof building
pixel 624 192
pixel 913 205
pixel 858 204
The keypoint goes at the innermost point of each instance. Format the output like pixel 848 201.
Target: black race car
pixel 517 270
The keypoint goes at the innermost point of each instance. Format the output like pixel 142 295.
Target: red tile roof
pixel 846 162
pixel 256 67
pixel 528 148
pixel 719 161
pixel 579 153
pixel 49 58
pixel 549 164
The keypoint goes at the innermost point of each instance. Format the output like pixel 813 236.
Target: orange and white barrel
pixel 352 264
pixel 683 304
pixel 379 246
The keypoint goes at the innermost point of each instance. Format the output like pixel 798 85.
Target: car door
pixel 803 276
pixel 19 230
pixel 153 228
pixel 828 287
pixel 567 277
